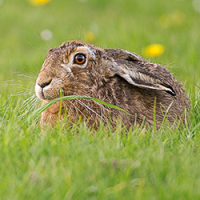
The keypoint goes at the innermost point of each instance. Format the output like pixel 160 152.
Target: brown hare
pixel 116 76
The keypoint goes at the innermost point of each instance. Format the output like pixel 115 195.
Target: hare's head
pixel 68 68
pixel 79 69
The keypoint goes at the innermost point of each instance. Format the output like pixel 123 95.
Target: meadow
pixel 78 162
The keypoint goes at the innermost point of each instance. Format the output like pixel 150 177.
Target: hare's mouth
pixel 46 92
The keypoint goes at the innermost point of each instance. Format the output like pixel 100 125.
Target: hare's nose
pixel 42 85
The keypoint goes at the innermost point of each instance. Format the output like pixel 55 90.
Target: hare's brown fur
pixel 115 76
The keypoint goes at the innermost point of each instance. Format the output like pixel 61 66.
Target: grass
pixel 47 105
pixel 78 162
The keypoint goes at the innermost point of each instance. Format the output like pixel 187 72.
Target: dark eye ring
pixel 79 59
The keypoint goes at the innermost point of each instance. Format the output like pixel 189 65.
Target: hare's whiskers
pixel 83 105
pixel 78 110
pixel 28 105
pixel 94 112
pixel 68 106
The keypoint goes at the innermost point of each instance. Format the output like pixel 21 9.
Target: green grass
pixel 78 162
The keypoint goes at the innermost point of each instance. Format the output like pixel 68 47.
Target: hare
pixel 115 76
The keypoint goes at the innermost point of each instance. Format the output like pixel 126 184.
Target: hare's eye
pixel 79 59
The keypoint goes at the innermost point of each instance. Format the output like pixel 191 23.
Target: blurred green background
pixel 127 24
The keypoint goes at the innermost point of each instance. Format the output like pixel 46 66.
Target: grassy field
pixel 81 163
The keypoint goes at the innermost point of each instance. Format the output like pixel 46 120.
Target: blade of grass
pixel 47 105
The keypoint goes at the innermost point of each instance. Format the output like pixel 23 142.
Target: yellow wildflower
pixel 89 36
pixel 154 50
pixel 173 19
pixel 39 2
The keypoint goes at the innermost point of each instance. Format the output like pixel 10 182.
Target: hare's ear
pixel 139 77
pixel 127 66
pixel 123 54
pixel 146 80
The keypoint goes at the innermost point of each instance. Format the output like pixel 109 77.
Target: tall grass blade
pixel 47 105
